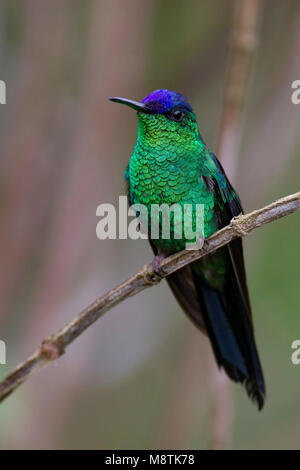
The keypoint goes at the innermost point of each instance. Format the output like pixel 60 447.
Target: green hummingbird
pixel 170 165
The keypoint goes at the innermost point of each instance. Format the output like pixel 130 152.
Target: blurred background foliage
pixel 140 377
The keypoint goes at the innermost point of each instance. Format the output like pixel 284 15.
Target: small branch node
pixel 152 277
pixel 50 350
pixel 238 226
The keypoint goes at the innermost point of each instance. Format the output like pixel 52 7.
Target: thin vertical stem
pixel 243 46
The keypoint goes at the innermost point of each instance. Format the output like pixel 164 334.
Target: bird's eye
pixel 177 115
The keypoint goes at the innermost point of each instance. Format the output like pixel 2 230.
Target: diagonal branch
pixel 54 346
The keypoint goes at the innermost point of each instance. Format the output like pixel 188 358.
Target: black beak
pixel 140 107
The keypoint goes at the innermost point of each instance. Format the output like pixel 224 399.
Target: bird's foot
pixel 235 223
pixel 156 263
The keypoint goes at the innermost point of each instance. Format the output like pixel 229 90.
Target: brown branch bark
pixel 54 346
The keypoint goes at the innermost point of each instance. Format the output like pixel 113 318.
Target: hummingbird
pixel 171 164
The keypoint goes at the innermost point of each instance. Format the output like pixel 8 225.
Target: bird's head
pixel 164 115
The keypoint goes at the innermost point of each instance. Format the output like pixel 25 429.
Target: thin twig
pixel 54 346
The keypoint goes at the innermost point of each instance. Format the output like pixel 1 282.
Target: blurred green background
pixel 140 377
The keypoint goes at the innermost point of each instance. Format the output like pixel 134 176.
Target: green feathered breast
pixel 169 173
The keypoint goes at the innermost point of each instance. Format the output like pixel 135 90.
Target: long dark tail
pixel 225 317
pixel 231 335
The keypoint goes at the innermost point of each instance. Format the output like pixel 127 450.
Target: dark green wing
pixel 225 314
pixel 230 207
